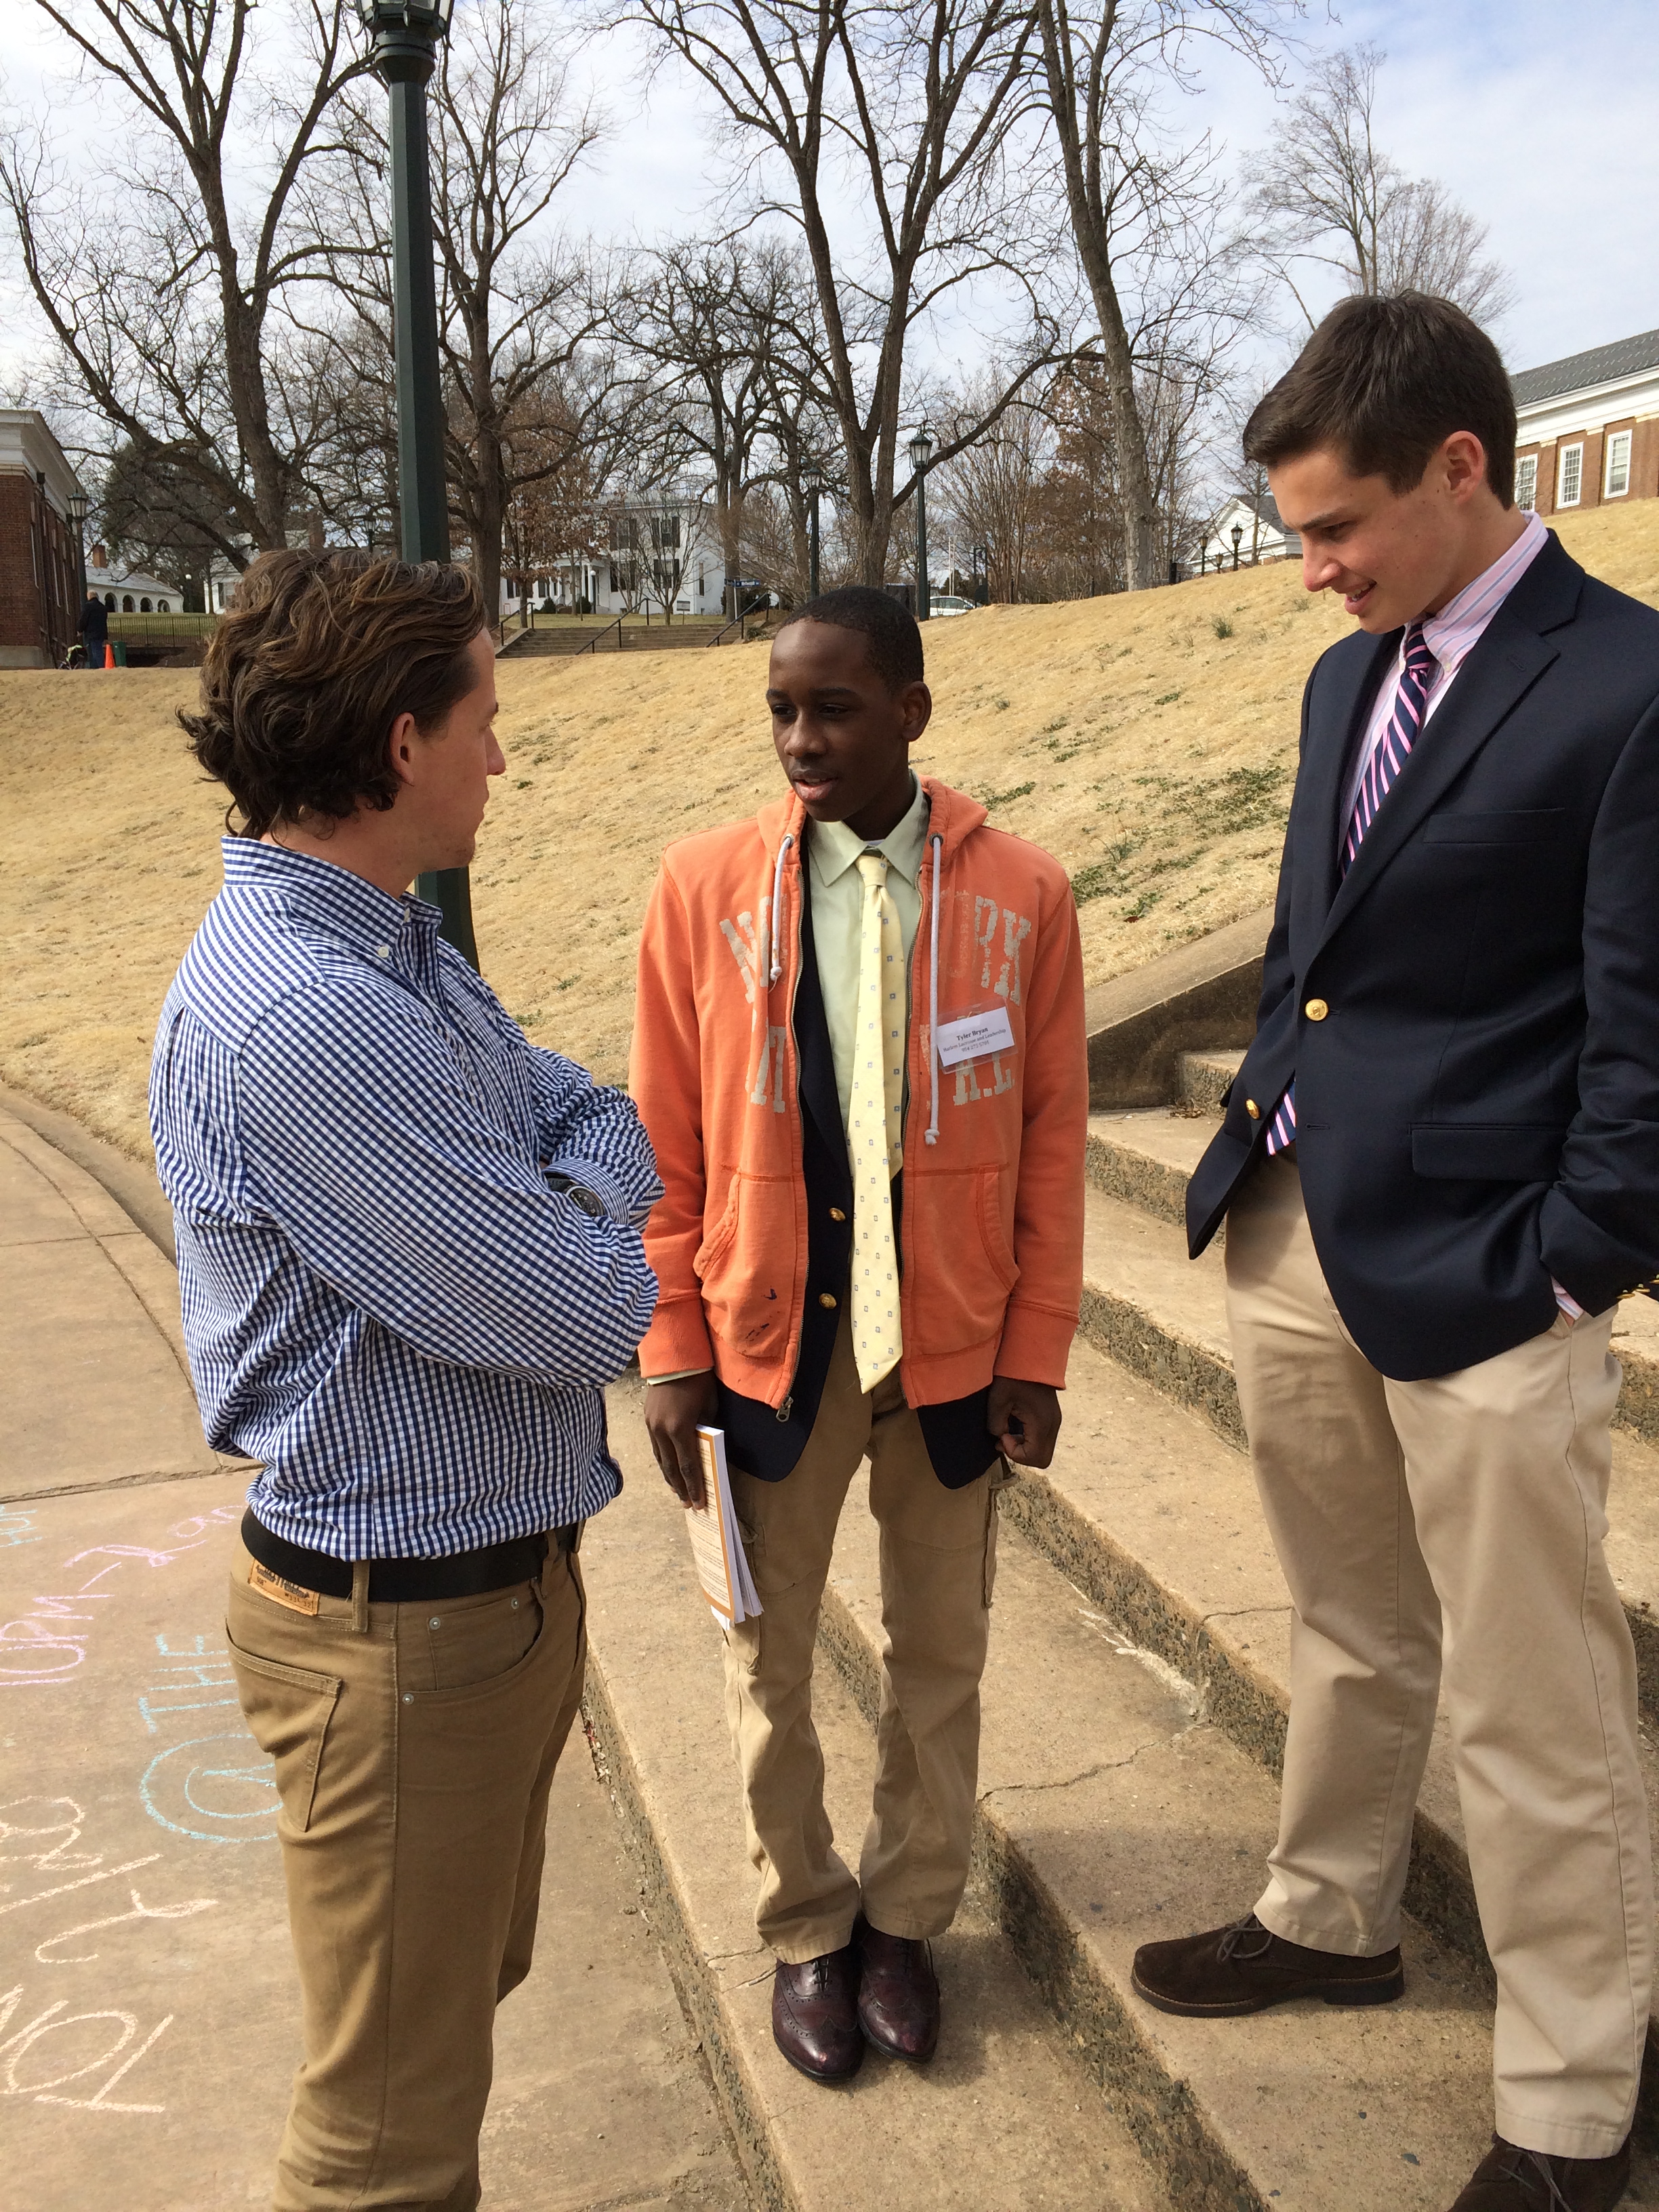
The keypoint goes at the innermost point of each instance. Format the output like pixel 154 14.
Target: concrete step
pixel 557 640
pixel 1114 1811
pixel 1143 1160
pixel 1008 2115
pixel 1150 1516
pixel 1202 1078
pixel 1163 1317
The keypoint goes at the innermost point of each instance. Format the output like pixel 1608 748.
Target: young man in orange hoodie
pixel 860 1056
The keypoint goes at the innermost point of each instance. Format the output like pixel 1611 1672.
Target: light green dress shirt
pixel 832 851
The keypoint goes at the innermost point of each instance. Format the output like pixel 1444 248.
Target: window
pixel 109 601
pixel 1526 482
pixel 143 606
pixel 126 603
pixel 1618 477
pixel 163 607
pixel 1569 478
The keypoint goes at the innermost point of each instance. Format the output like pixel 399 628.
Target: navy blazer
pixel 1478 1110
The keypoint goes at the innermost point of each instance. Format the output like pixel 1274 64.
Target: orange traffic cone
pixel 109 655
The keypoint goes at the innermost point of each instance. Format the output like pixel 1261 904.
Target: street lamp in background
pixel 921 447
pixel 980 557
pixel 78 504
pixel 1235 533
pixel 406 34
pixel 812 477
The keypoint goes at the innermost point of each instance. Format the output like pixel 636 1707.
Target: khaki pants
pixel 1475 1500
pixel 413 1764
pixel 938 1558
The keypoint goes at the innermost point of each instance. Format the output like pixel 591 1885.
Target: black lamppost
pixel 812 477
pixel 921 446
pixel 78 503
pixel 1235 533
pixel 980 557
pixel 406 34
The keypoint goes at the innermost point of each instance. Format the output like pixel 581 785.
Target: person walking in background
pixel 859 1051
pixel 95 628
pixel 1439 1169
pixel 410 1258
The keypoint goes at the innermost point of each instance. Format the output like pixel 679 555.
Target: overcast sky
pixel 1541 117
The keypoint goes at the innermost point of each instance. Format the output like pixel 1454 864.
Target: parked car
pixel 947 603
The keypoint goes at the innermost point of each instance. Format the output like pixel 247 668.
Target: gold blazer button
pixel 826 1298
pixel 1316 1010
pixel 1253 1110
pixel 835 1214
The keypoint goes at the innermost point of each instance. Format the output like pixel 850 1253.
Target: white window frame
pixel 1526 482
pixel 1562 456
pixel 1617 441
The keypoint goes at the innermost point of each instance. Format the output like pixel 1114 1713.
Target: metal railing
pixel 592 645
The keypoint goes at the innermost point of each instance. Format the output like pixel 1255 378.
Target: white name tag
pixel 974 1037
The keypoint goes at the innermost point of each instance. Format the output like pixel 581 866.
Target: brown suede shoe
pixel 898 1993
pixel 815 2015
pixel 1509 2179
pixel 1246 1968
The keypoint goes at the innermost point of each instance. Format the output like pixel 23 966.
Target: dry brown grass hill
pixel 1149 742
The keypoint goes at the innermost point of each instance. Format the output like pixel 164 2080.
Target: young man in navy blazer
pixel 1440 1173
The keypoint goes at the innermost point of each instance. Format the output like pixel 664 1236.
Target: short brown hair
pixel 1382 382
pixel 316 659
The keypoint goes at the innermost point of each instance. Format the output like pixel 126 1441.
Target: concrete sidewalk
pixel 148 2012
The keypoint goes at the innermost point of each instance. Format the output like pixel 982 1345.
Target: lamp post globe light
pixel 920 449
pixel 812 477
pixel 405 34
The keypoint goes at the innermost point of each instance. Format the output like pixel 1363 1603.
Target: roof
pixel 1578 371
pixel 1260 505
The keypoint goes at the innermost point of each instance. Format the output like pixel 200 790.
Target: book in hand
pixel 717 1542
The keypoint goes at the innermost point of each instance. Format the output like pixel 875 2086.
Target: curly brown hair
pixel 307 672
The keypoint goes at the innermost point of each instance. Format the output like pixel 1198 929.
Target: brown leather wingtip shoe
pixel 898 1993
pixel 815 2015
pixel 1228 1971
pixel 1509 2179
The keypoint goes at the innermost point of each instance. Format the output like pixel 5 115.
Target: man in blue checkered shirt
pixel 410 1258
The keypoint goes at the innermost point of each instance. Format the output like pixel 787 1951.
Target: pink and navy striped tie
pixel 1389 757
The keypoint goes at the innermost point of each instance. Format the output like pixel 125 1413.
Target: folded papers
pixel 717 1542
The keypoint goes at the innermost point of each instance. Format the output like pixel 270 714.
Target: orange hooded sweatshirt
pixel 991 1234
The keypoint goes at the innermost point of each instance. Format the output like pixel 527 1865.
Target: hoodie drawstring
pixel 774 966
pixel 932 1133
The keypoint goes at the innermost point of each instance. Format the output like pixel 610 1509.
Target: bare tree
pixel 1329 195
pixel 164 282
pixel 910 106
pixel 1145 220
pixel 997 492
pixel 706 318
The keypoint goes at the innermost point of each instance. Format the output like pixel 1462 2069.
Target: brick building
pixel 39 559
pixel 1588 427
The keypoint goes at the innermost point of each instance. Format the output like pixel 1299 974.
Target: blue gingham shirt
pixel 385 1299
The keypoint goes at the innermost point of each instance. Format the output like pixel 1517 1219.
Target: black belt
pixel 407 1582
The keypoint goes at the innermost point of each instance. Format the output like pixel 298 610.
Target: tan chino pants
pixel 413 1765
pixel 1472 1502
pixel 938 1558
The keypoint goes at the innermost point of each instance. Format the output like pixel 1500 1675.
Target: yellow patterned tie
pixel 872 1126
